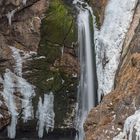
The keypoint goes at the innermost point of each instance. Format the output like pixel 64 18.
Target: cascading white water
pixel 18 60
pixel 86 59
pixel 86 97
pixel 24 2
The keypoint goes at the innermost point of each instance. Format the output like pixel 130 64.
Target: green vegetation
pixel 58 30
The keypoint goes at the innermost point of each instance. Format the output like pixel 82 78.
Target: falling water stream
pixel 87 89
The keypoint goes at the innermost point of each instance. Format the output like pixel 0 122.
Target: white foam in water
pixel 131 128
pixel 10 15
pixel 109 41
pixel 8 91
pixel 45 114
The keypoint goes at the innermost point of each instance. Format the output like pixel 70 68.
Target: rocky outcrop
pixel 20 27
pixel 107 119
pixel 44 34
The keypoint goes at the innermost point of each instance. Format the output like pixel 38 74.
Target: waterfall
pixel 86 91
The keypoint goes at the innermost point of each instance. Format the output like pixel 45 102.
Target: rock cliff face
pixel 107 119
pixel 40 36
pixel 19 27
pixel 98 9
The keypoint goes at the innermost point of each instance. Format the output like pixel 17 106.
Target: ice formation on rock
pixel 109 40
pixel 131 128
pixel 45 114
pixel 8 94
pixel 10 15
pixel 24 2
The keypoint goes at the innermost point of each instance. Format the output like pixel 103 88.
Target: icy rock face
pixel 131 126
pixel 14 83
pixel 8 94
pixel 109 41
pixel 45 114
pixel 18 60
pixel 23 87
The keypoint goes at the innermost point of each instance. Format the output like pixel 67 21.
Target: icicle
pixel 13 84
pixel 18 60
pixel 109 41
pixel 8 83
pixel 86 90
pixel 27 92
pixel 131 128
pixel 23 87
pixel 10 15
pixel 62 51
pixel 45 114
pixel 24 2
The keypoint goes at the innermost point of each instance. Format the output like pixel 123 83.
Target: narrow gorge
pixel 69 69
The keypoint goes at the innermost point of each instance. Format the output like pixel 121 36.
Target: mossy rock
pixel 58 30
